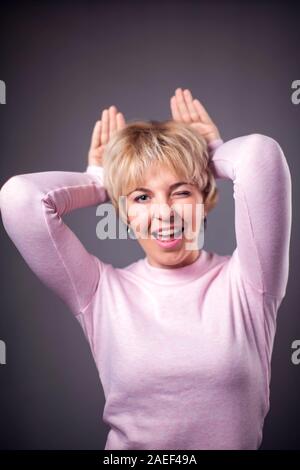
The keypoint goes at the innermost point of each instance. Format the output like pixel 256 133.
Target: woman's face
pixel 162 204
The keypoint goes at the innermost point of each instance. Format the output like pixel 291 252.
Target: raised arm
pixel 261 179
pixel 32 208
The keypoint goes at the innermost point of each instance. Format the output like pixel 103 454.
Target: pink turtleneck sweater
pixel 183 354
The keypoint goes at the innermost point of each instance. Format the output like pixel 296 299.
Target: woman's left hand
pixel 186 109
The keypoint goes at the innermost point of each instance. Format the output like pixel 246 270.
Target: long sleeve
pixel 261 179
pixel 32 207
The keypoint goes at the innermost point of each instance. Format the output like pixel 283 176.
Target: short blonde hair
pixel 174 144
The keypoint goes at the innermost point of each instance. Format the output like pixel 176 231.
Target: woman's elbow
pixel 268 155
pixel 17 197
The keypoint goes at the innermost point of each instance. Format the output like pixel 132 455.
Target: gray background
pixel 62 64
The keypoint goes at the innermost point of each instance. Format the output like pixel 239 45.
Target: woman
pixel 182 338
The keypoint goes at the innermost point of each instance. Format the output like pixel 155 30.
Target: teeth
pixel 167 235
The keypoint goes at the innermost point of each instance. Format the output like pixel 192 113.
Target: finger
pixel 190 105
pixel 95 140
pixel 205 117
pixel 112 119
pixel 120 121
pixel 184 112
pixel 105 127
pixel 174 108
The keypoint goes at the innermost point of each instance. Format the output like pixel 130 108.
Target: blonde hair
pixel 174 144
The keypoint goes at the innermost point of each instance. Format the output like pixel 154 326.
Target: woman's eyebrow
pixel 173 186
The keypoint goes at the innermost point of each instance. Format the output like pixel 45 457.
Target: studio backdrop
pixel 61 64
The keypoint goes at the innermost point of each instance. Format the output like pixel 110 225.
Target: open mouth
pixel 167 235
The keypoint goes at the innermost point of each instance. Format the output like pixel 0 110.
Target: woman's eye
pixel 181 193
pixel 185 193
pixel 138 198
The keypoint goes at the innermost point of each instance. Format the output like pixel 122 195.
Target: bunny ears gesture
pixel 183 109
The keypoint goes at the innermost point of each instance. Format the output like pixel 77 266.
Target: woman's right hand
pixel 111 121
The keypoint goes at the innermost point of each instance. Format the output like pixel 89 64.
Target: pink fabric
pixel 183 354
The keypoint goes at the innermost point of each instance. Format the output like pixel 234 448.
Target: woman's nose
pixel 163 211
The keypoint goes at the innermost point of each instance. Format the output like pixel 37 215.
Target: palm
pixel 111 121
pixel 186 109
